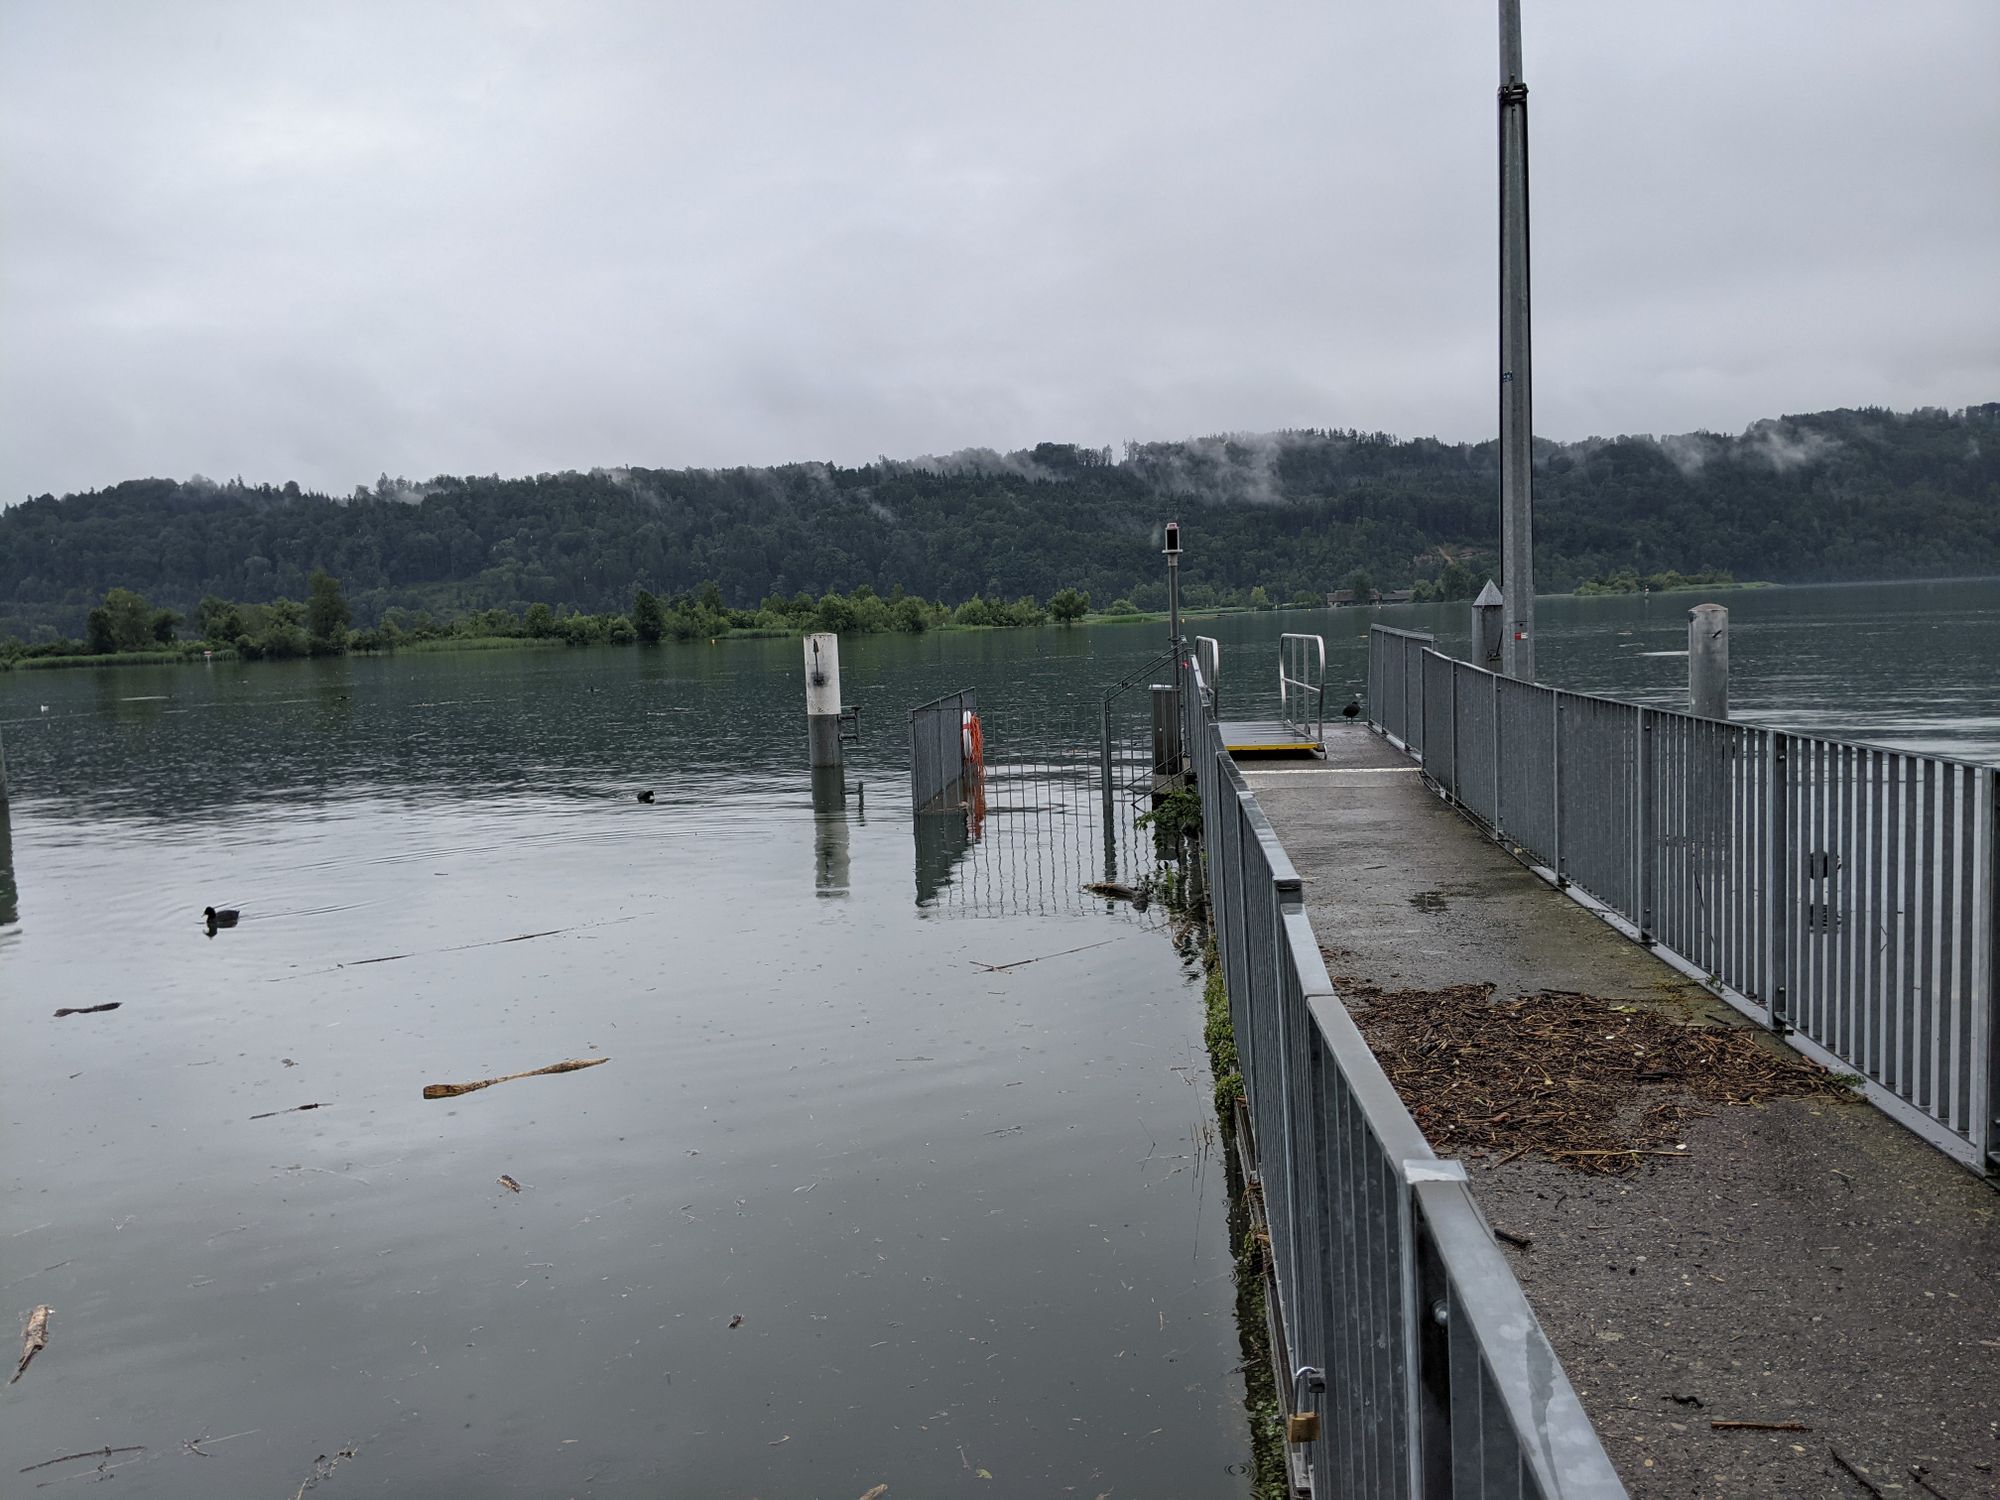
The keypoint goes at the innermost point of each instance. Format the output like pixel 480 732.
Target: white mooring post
pixel 823 698
pixel 1708 661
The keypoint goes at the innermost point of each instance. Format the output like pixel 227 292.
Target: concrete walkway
pixel 1807 1263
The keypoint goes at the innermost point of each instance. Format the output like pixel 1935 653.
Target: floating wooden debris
pixel 296 1109
pixel 453 1090
pixel 1020 962
pixel 1593 1084
pixel 737 1321
pixel 34 1338
pixel 323 1468
pixel 509 1183
pixel 105 1452
pixel 88 1010
pixel 1111 890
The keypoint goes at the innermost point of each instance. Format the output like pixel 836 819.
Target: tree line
pixel 127 626
pixel 1829 495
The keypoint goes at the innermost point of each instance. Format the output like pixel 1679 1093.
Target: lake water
pixel 972 1220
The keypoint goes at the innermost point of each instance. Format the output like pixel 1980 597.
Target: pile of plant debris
pixel 1591 1083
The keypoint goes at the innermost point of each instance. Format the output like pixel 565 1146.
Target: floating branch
pixel 294 1110
pixel 453 1090
pixel 88 1010
pixel 34 1338
pixel 93 1453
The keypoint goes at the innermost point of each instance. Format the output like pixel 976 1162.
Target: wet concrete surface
pixel 1807 1262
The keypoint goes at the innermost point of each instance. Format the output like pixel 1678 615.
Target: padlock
pixel 1302 1427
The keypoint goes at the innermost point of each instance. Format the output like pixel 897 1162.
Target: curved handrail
pixel 1311 654
pixel 1208 658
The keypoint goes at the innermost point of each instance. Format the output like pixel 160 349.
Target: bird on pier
pixel 646 796
pixel 1353 709
pixel 220 917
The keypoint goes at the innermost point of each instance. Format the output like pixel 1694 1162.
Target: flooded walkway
pixel 1806 1268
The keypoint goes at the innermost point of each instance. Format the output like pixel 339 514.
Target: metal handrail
pixel 1208 660
pixel 1844 895
pixel 1311 692
pixel 1375 1244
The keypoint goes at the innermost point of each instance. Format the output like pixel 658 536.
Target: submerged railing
pixel 1037 822
pixel 1438 1380
pixel 940 751
pixel 1844 895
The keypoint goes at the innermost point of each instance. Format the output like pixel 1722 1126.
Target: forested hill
pixel 1839 494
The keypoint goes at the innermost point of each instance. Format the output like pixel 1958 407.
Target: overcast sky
pixel 319 242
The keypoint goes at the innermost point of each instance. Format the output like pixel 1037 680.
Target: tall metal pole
pixel 1517 471
pixel 1173 552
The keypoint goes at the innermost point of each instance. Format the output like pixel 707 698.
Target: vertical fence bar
pixel 1986 1098
pixel 1642 852
pixel 1558 862
pixel 1965 1122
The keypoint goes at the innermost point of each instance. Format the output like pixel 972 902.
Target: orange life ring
pixel 974 740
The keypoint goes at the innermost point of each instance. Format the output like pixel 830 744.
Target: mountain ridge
pixel 1848 493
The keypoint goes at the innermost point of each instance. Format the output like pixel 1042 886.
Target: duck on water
pixel 225 916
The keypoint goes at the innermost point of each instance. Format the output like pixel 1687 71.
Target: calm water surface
pixel 973 1222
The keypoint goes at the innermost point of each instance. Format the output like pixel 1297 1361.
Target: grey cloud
pixel 326 243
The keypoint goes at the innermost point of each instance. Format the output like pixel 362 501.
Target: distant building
pixel 1396 596
pixel 1339 598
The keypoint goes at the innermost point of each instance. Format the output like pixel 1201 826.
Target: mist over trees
pixel 1832 495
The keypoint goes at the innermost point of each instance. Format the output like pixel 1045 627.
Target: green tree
pixel 218 619
pixel 1068 606
pixel 164 621
pixel 98 634
pixel 541 621
pixel 649 621
pixel 1363 586
pixel 835 613
pixel 130 618
pixel 327 613
pixel 1260 597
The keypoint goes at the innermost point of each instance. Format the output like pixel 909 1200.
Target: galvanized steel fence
pixel 1041 810
pixel 1439 1381
pixel 1842 894
pixel 1395 683
pixel 938 756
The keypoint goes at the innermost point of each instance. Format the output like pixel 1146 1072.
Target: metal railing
pixel 938 780
pixel 1396 685
pixel 1302 684
pixel 1439 1381
pixel 1208 652
pixel 1844 895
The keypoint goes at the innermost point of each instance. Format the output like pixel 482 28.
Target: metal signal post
pixel 1517 469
